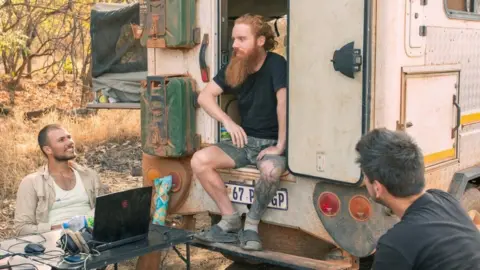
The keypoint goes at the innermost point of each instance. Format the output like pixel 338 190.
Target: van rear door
pixel 329 81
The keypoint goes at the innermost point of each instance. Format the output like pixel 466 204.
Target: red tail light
pixel 360 208
pixel 329 203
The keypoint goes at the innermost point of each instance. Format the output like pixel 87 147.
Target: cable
pixel 84 261
pixel 47 255
pixel 42 255
pixel 23 241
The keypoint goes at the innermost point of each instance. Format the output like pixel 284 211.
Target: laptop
pixel 122 217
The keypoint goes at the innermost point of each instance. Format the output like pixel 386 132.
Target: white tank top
pixel 69 203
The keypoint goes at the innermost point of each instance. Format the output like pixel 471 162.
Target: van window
pixel 463 9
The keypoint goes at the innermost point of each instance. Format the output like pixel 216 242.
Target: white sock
pixel 230 222
pixel 251 224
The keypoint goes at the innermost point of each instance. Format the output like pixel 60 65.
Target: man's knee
pixel 201 161
pixel 271 169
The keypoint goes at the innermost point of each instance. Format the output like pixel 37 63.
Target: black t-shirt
pixel 257 100
pixel 435 233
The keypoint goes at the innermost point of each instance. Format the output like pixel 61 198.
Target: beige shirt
pixel 36 196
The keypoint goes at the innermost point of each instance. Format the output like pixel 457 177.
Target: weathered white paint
pixel 325 106
pixel 432 119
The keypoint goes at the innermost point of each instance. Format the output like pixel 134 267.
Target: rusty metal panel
pixel 168 117
pixel 168 23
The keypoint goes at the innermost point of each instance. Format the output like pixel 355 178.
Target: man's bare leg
pixel 271 168
pixel 204 164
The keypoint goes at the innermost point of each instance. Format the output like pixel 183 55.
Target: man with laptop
pixel 63 189
pixel 59 190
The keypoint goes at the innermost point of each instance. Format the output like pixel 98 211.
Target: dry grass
pixel 19 152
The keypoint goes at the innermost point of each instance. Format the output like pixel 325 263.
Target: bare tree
pixel 53 30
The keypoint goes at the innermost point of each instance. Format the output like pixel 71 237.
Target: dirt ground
pixel 115 162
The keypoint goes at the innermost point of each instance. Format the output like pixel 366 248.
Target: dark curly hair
pixel 260 28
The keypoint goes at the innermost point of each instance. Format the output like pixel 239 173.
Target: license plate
pixel 244 194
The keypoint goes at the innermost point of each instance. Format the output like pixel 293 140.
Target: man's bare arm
pixel 208 100
pixel 282 118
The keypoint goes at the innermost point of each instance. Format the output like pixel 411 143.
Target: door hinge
pixel 423 2
pixel 423 31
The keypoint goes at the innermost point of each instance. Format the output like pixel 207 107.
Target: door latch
pixel 347 60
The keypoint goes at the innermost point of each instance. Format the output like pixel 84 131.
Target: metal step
pixel 271 257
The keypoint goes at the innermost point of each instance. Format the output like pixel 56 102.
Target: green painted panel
pixel 180 23
pixel 168 117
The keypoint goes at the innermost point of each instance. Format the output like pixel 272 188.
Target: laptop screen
pixel 122 215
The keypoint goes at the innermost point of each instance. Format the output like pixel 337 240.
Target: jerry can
pixel 168 124
pixel 168 23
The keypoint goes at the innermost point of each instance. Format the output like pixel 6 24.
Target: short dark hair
pixel 393 159
pixel 42 135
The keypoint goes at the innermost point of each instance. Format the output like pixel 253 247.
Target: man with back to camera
pixel 434 232
pixel 59 190
pixel 258 78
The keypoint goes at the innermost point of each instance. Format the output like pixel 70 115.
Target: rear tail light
pixel 360 208
pixel 329 203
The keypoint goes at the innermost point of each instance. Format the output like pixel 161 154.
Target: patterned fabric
pixel 162 187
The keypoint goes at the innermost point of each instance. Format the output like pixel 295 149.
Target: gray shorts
pixel 248 154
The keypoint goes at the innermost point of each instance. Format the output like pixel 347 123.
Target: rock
pixel 4 111
pixel 137 171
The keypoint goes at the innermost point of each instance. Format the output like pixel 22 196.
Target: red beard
pixel 240 67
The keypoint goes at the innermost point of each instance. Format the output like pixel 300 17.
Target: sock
pixel 231 222
pixel 251 224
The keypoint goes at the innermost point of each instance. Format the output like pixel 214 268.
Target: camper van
pixel 410 65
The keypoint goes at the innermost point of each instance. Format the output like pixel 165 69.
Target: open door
pixel 329 80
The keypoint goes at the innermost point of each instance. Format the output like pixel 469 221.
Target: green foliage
pixel 13 41
pixel 68 65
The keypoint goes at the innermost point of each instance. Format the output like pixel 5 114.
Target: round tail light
pixel 152 174
pixel 360 208
pixel 329 203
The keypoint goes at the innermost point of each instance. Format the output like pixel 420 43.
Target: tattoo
pixel 267 186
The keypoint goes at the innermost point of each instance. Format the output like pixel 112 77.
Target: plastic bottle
pixel 76 223
pixel 90 221
pixel 224 135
